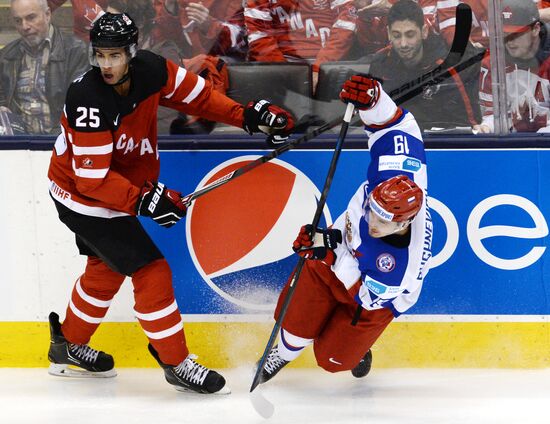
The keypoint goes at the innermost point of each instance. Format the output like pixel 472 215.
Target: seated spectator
pixel 449 104
pixel 85 12
pixel 527 61
pixel 152 37
pixel 213 27
pixel 291 30
pixel 37 68
pixel 446 19
pixel 372 34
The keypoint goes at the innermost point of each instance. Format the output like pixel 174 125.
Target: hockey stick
pixel 317 217
pixel 405 92
pixel 261 160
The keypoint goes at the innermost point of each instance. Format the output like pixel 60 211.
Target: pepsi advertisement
pixel 232 254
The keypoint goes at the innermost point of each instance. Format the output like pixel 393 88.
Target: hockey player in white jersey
pixel 369 267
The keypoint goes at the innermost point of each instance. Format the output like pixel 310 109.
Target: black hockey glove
pixel 262 116
pixel 320 247
pixel 161 204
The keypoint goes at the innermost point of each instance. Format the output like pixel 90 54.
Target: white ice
pixel 404 396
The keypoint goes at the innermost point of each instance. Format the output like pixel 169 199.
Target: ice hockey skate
pixel 190 376
pixel 363 367
pixel 273 364
pixel 74 360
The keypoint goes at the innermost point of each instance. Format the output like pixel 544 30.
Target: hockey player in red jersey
pixel 104 171
pixel 369 267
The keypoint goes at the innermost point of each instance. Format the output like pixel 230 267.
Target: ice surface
pixel 404 396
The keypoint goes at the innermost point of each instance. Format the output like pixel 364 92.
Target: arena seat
pixel 285 84
pixel 326 104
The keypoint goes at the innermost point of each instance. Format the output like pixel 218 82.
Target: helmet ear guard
pixel 398 199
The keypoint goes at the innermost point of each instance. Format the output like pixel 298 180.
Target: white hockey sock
pixel 290 346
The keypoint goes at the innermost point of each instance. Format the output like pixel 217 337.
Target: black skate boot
pixel 273 364
pixel 73 360
pixel 190 376
pixel 363 367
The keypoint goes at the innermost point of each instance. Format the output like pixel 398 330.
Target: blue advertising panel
pixel 232 255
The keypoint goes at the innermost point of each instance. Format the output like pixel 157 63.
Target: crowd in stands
pixel 395 40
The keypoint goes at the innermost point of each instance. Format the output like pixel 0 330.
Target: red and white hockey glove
pixel 262 116
pixel 319 247
pixel 161 204
pixel 362 91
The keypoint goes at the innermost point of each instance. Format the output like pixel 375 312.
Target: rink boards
pixel 484 303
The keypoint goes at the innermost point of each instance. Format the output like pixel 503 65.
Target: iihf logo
pixel 385 262
pixel 240 235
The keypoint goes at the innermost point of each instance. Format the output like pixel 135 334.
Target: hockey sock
pixel 291 346
pixel 90 300
pixel 157 311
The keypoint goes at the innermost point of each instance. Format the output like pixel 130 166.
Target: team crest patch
pixel 385 262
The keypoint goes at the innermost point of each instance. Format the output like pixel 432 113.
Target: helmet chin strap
pixel 124 78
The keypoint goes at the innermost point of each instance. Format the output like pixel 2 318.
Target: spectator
pixel 446 18
pixel 85 12
pixel 152 37
pixel 291 30
pixel 372 34
pixel 213 27
pixel 527 61
pixel 413 52
pixel 37 68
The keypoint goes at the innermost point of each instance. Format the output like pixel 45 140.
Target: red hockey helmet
pixel 397 199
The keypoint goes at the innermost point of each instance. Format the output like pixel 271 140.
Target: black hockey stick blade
pixel 463 27
pixel 315 222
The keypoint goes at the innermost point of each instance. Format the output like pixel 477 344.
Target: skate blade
pixel 64 370
pixel 223 391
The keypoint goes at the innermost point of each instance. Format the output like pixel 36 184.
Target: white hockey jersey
pixel 391 273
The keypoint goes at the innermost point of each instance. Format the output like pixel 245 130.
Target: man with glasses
pixel 37 68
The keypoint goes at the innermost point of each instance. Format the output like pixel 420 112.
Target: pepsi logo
pixel 240 235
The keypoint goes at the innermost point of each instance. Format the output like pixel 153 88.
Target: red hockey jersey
pixel 446 11
pixel 108 145
pixel 288 30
